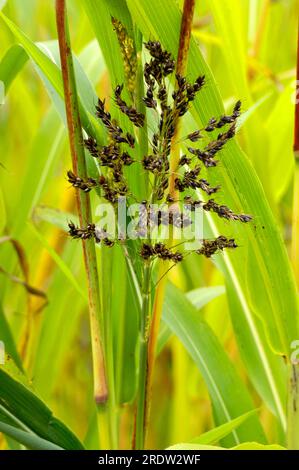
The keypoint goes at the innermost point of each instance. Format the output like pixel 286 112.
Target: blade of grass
pixel 293 386
pixel 11 64
pixel 52 73
pixel 31 414
pixel 198 298
pixel 230 398
pixel 218 433
pixel 8 339
pixel 30 441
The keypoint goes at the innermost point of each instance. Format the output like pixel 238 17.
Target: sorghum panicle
pixel 168 107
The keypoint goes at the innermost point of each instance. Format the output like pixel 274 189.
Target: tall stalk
pixel 293 407
pixel 293 368
pixel 184 43
pixel 84 212
pixel 140 424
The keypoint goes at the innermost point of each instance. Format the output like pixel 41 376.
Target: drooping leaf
pixel 29 440
pixel 11 64
pixel 30 413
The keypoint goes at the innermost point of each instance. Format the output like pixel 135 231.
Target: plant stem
pixel 293 407
pixel 184 43
pixel 106 262
pixel 185 36
pixel 261 28
pixel 84 211
pixel 140 424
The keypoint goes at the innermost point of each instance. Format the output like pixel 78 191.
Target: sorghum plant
pixel 168 97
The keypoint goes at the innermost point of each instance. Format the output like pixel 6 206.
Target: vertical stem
pixel 185 36
pixel 184 43
pixel 293 407
pixel 261 28
pixel 140 424
pixel 106 263
pixel 83 206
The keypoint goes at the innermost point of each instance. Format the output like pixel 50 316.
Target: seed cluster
pixel 190 180
pixel 168 107
pixel 207 155
pixel 160 250
pixel 169 110
pixel 134 116
pixel 113 156
pixel 127 48
pixel 84 184
pixel 210 247
pixel 88 232
pixel 151 217
pixel 220 209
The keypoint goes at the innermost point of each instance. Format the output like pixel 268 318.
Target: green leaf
pixel 229 16
pixel 186 446
pixel 125 317
pixel 55 217
pixel 59 261
pixel 31 441
pixel 229 396
pixel 30 414
pixel 11 64
pixel 7 338
pixel 244 446
pixel 267 375
pixel 99 13
pixel 48 148
pixel 52 74
pixel 218 433
pixel 203 295
pixel 199 298
pixel 282 169
pixel 2 212
pixel 257 446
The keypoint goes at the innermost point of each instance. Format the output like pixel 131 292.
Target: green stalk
pixel 84 211
pixel 106 260
pixel 140 424
pixel 140 106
